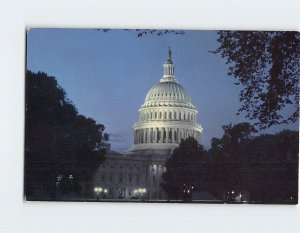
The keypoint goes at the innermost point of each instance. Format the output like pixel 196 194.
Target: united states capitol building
pixel 165 118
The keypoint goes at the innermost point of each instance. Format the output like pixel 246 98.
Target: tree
pixel 183 170
pixel 229 160
pixel 267 65
pixel 264 166
pixel 273 168
pixel 60 144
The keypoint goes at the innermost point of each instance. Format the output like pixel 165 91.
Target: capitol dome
pixel 168 93
pixel 166 116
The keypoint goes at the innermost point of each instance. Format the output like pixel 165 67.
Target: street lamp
pixel 98 190
pixel 140 192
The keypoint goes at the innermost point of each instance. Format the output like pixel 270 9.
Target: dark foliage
pixel 265 166
pixel 267 65
pixel 273 168
pixel 144 32
pixel 60 144
pixel 228 158
pixel 183 170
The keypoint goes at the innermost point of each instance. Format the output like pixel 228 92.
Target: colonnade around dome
pixel 170 115
pixel 164 135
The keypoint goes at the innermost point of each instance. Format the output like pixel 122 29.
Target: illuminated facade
pixel 166 117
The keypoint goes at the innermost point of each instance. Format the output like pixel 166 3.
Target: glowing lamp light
pixel 98 189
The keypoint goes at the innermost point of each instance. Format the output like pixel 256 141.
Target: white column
pixel 179 135
pixel 140 136
pixel 148 135
pixel 173 132
pixel 151 133
pixel 167 135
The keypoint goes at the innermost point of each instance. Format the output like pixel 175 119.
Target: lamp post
pixel 98 190
pixel 140 192
pixel 143 191
pixel 105 192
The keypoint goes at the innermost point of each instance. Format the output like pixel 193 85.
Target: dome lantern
pixel 168 69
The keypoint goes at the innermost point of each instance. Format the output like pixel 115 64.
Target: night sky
pixel 108 74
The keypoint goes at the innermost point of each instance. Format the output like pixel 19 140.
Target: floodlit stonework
pixel 166 117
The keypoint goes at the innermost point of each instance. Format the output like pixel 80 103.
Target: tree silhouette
pixel 264 166
pixel 183 170
pixel 267 65
pixel 273 168
pixel 60 144
pixel 229 159
pixel 144 32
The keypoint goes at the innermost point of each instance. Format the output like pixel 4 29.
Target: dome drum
pixel 168 114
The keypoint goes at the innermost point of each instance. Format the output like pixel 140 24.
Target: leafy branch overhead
pixel 143 32
pixel 267 65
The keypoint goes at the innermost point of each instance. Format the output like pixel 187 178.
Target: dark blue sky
pixel 107 75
